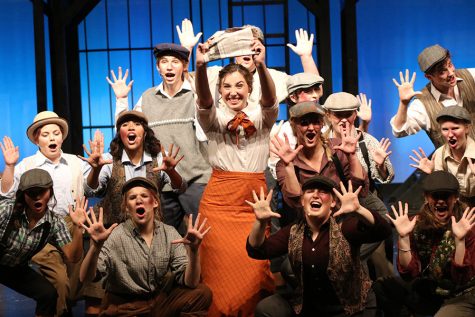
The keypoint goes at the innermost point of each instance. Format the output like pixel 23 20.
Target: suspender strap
pixel 339 169
pixel 364 151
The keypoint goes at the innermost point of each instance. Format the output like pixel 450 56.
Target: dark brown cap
pixel 318 181
pixel 440 181
pixel 139 182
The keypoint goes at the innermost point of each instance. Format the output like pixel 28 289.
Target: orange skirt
pixel 237 281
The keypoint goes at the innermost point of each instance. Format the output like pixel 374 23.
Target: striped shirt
pixel 130 267
pixel 22 242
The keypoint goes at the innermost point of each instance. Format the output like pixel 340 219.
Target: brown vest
pixel 111 203
pixel 350 282
pixel 433 107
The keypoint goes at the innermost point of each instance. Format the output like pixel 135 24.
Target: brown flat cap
pixel 318 181
pixel 139 182
pixel 130 115
pixel 341 101
pixel 430 56
pixel 302 108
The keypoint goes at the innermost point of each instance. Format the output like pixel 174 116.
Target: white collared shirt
pixel 417 117
pixel 62 180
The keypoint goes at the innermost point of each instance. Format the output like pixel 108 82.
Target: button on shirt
pixel 62 181
pixel 131 267
pixel 131 171
pixel 23 242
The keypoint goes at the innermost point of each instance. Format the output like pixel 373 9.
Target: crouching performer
pixel 148 269
pixel 323 247
pixel 27 224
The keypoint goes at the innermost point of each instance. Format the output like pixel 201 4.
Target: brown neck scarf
pixel 241 119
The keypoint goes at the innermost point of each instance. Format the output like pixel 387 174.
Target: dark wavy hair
pixel 151 143
pixel 232 68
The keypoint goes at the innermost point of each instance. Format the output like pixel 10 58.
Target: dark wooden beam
pixel 40 55
pixel 349 47
pixel 321 10
pixel 78 10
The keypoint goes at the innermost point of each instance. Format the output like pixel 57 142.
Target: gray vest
pixel 172 120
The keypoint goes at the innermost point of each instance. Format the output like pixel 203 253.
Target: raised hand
pixel 10 152
pixel 282 149
pixel 464 225
pixel 348 140
pixel 423 163
pixel 406 87
pixel 348 199
pixel 364 112
pixel 95 227
pixel 195 234
pixel 119 85
pixel 187 36
pixel 260 50
pixel 96 146
pixel 380 153
pixel 261 206
pixel 304 43
pixel 78 214
pixel 169 160
pixel 401 221
pixel 201 49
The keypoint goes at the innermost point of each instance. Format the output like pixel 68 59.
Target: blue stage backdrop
pixel 390 36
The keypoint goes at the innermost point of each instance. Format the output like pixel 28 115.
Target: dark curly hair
pixel 151 143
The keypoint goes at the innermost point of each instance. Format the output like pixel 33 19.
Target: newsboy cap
pixel 318 181
pixel 173 49
pixel 430 56
pixel 139 182
pixel 303 81
pixel 302 108
pixel 35 178
pixel 341 101
pixel 440 181
pixel 454 112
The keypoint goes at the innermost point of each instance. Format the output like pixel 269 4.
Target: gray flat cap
pixel 302 81
pixel 455 112
pixel 341 101
pixel 430 56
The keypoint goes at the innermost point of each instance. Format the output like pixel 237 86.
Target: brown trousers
pixel 180 301
pixel 63 276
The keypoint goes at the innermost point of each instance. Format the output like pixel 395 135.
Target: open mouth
pixel 170 75
pixel 53 146
pixel 131 137
pixel 452 141
pixel 246 58
pixel 310 136
pixel 441 208
pixel 140 211
pixel 38 205
pixel 315 204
